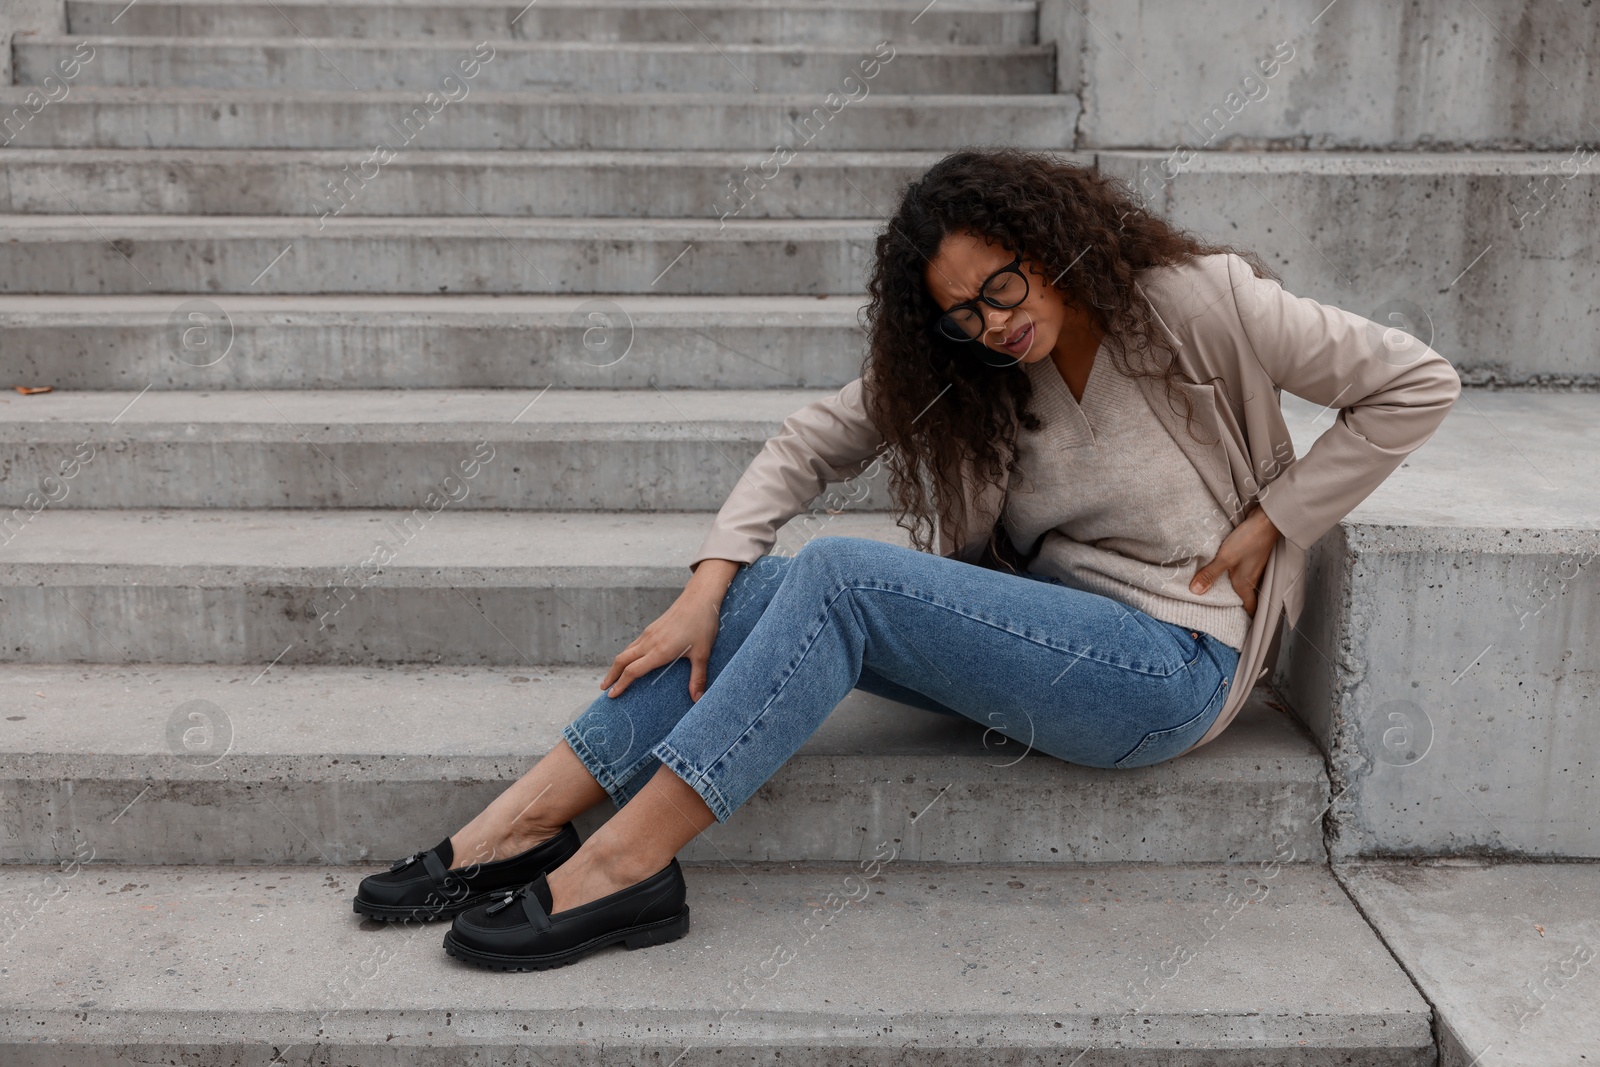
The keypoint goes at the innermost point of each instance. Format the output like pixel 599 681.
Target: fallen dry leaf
pixel 1539 928
pixel 29 390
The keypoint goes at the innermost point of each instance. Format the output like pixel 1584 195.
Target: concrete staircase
pixel 271 351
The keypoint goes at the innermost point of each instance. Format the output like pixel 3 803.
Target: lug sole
pixel 632 937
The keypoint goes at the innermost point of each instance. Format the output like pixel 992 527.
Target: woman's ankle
pixel 478 849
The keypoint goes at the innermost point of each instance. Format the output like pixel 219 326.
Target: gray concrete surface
pixel 685 21
pixel 818 963
pixel 357 765
pixel 25 19
pixel 1486 253
pixel 585 449
pixel 1421 75
pixel 364 342
pixel 106 117
pixel 304 586
pixel 660 184
pixel 1448 662
pixel 142 253
pixel 1504 953
pixel 545 66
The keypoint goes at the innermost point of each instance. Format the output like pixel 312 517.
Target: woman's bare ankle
pixel 596 871
pixel 479 848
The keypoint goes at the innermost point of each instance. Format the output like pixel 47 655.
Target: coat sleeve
pixel 1391 390
pixel 826 441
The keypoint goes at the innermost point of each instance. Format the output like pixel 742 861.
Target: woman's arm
pixel 1390 401
pixel 825 441
pixel 828 440
pixel 711 579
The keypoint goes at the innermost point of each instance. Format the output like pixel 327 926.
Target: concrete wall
pixel 1452 678
pixel 1313 74
pixel 27 17
pixel 1490 253
pixel 1448 657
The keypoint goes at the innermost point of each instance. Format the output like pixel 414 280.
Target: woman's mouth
pixel 1018 342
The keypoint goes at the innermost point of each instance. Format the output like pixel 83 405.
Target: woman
pixel 1082 403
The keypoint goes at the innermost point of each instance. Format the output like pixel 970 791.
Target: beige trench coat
pixel 1244 336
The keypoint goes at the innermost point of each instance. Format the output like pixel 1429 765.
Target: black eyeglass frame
pixel 1014 267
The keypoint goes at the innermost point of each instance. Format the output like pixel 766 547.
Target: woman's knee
pixel 846 557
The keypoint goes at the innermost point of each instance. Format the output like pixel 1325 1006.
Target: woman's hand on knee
pixel 688 628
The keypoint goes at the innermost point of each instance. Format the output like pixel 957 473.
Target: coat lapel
pixel 1211 445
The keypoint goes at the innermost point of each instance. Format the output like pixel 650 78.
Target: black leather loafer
pixel 518 933
pixel 421 887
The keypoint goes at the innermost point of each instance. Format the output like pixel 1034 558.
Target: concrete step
pixel 108 117
pixel 1484 254
pixel 135 181
pixel 357 765
pixel 1503 952
pixel 803 963
pixel 419 342
pixel 447 586
pixel 186 254
pixel 685 21
pixel 563 450
pixel 460 67
pixel 1449 648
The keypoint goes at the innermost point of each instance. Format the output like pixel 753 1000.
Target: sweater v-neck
pixel 1066 422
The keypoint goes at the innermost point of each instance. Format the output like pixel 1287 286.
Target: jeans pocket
pixel 1161 745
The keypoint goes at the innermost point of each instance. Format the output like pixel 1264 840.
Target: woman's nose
pixel 996 320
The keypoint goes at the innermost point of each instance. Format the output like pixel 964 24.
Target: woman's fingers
pixel 644 661
pixel 698 659
pixel 1247 594
pixel 688 628
pixel 1206 576
pixel 622 659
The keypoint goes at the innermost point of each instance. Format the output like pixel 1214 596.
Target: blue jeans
pixel 1077 676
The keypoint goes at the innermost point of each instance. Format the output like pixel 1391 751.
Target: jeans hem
pixel 594 765
pixel 694 779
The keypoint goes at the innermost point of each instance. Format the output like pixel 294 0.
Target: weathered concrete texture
pixel 1485 256
pixel 545 66
pixel 108 117
pixel 1448 661
pixel 684 21
pixel 660 185
pixel 24 19
pixel 879 964
pixel 583 449
pixel 1309 74
pixel 1505 954
pixel 352 586
pixel 419 342
pixel 144 253
pixel 346 765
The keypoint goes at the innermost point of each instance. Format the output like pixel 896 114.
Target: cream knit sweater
pixel 1120 507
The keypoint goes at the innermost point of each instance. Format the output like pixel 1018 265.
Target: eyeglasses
pixel 1005 288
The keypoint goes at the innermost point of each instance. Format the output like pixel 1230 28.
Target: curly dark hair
pixel 1075 223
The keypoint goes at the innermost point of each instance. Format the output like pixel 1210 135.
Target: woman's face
pixel 1026 333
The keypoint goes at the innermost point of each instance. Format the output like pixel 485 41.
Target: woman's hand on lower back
pixel 687 628
pixel 1242 556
